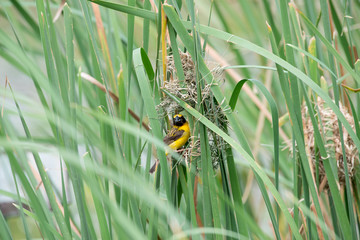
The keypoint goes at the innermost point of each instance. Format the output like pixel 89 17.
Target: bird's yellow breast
pixel 183 139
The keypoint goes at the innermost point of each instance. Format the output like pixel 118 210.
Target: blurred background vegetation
pixel 269 87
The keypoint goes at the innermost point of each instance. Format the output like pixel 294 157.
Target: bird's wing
pixel 173 135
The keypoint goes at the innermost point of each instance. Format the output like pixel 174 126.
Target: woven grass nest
pixel 186 90
pixel 329 128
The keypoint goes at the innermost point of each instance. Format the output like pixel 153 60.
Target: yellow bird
pixel 177 136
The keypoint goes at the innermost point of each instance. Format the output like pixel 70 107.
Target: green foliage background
pixel 96 73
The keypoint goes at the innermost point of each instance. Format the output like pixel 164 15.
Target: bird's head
pixel 178 120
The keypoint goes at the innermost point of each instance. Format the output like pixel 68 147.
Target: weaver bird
pixel 177 136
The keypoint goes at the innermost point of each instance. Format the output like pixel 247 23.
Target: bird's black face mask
pixel 178 120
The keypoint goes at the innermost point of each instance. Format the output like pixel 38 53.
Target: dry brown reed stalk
pixel 113 96
pixel 58 202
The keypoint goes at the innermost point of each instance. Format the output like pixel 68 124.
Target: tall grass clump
pixel 269 88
